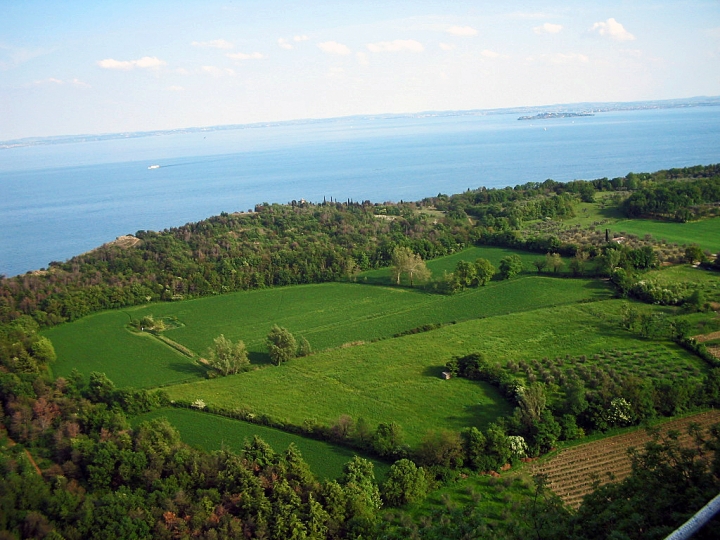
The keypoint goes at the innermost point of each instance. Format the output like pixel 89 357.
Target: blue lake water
pixel 60 200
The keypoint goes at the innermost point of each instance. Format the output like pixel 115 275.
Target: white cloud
pixel 110 63
pixel 175 88
pixel 462 31
pixel 396 46
pixel 217 72
pixel 548 28
pixel 333 47
pixel 214 44
pixel 560 58
pixel 244 56
pixel 149 62
pixel 447 46
pixel 612 29
pixel 146 62
pixel 283 44
pixel 487 53
pixel 59 82
pixel 301 38
pixel 362 59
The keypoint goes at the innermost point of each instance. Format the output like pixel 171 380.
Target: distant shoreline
pixel 541 111
pixel 551 115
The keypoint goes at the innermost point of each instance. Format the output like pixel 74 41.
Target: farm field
pixel 101 343
pixel 399 379
pixel 328 315
pixel 571 471
pixel 705 233
pixel 211 432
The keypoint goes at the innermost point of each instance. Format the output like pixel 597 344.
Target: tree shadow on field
pixel 259 358
pixel 434 371
pixel 188 368
pixel 600 289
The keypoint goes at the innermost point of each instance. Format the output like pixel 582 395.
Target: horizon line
pixel 39 140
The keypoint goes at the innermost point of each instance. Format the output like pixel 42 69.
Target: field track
pixel 571 472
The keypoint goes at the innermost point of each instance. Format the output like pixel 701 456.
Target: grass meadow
pixel 100 342
pixel 399 379
pixel 329 315
pixel 211 432
pixel 705 233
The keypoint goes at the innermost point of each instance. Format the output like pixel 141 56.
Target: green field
pixel 101 343
pixel 705 233
pixel 399 379
pixel 328 315
pixel 211 432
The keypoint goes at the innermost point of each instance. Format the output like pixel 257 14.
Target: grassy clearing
pixel 496 499
pixel 211 433
pixel 399 379
pixel 101 343
pixel 705 233
pixel 328 315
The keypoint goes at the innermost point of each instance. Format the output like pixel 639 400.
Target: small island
pixel 548 115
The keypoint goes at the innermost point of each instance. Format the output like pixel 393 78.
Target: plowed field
pixel 572 471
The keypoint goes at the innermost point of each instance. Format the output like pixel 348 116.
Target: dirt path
pixel 706 337
pixel 572 471
pixel 12 443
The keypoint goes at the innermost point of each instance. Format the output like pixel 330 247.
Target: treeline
pixel 679 201
pixel 507 207
pixel 277 245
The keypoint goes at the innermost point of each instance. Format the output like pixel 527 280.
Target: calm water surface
pixel 60 200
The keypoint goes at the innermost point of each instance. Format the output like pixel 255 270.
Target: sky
pixel 88 67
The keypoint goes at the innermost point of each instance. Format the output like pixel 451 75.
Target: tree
pixel 694 254
pixel 510 266
pixel 281 345
pixel 554 261
pixel 465 274
pixel 540 264
pixel 226 357
pixel 387 439
pixel 443 448
pixel 611 259
pixel 303 347
pixel 406 483
pixel 485 271
pixel 577 265
pixel 532 402
pixel 404 261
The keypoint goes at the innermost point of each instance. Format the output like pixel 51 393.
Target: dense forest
pixel 98 477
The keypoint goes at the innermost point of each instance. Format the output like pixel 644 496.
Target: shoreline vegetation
pixel 561 110
pixel 455 340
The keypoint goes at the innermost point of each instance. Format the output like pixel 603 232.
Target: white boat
pixel 154 167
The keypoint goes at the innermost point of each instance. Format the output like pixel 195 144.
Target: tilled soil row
pixel 572 471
